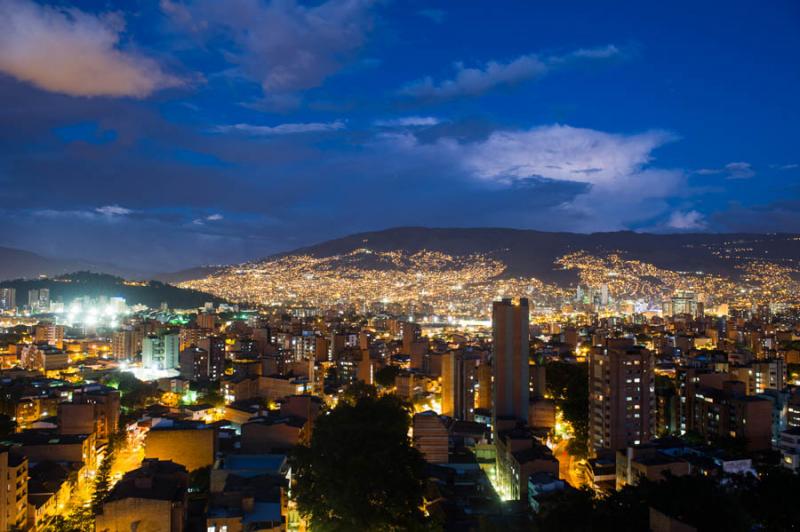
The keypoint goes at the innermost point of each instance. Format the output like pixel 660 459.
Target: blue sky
pixel 164 134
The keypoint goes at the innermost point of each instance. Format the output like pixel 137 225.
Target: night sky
pixel 161 135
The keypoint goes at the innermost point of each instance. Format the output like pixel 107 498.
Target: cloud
pixel 791 166
pixel 688 220
pixel 473 81
pixel 601 52
pixel 281 129
pixel 283 45
pixel 210 218
pixel 617 184
pixel 436 15
pixel 113 210
pixel 735 170
pixel 408 121
pixel 65 50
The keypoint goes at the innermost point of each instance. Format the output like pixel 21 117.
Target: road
pixel 566 471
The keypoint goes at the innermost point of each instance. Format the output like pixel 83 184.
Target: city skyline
pixel 186 135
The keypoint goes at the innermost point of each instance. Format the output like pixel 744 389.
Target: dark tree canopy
pixel 360 471
pixel 568 384
pixel 386 375
pixel 740 503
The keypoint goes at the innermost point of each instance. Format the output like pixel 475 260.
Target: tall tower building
pixel 485 386
pixel 215 347
pixel 622 399
pixel 8 298
pixel 458 399
pixel 510 336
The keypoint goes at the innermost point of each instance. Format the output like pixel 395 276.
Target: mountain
pixel 187 274
pixel 21 264
pixel 87 284
pixel 532 253
pixel 459 271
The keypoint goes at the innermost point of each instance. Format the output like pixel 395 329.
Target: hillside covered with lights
pixel 458 271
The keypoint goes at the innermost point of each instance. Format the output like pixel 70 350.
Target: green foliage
pixel 214 397
pixel 80 520
pixel 135 394
pixel 7 426
pixel 360 471
pixel 200 480
pixel 102 483
pixel 356 391
pixel 568 384
pixel 386 375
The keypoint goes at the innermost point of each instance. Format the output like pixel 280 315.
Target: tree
pixel 386 375
pixel 360 471
pixel 80 520
pixel 7 425
pixel 102 483
pixel 568 384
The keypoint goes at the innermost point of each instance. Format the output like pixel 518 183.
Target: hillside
pixel 414 265
pixel 533 253
pixel 81 284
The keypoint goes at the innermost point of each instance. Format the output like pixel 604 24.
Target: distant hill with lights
pixel 86 284
pixel 443 266
pixel 534 253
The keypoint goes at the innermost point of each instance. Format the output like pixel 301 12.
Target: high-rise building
pixel 682 303
pixel 161 351
pixel 622 402
pixel 13 496
pixel 510 337
pixel 194 363
pixel 206 320
pixel 215 346
pixel 8 298
pixel 485 386
pixel 458 399
pixel 50 333
pixel 39 299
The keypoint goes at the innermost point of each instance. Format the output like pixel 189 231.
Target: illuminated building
pixel 458 400
pixel 430 437
pixel 789 445
pixel 154 497
pixel 729 413
pixel 622 404
pixel 50 333
pixel 761 375
pixel 39 299
pixel 160 351
pixel 215 346
pixel 126 344
pixel 485 386
pixel 191 444
pixel 43 357
pixel 510 337
pixel 206 321
pixel 647 461
pixel 14 495
pixel 94 409
pixel 8 298
pixel 194 363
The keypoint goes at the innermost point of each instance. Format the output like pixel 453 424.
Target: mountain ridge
pixel 528 252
